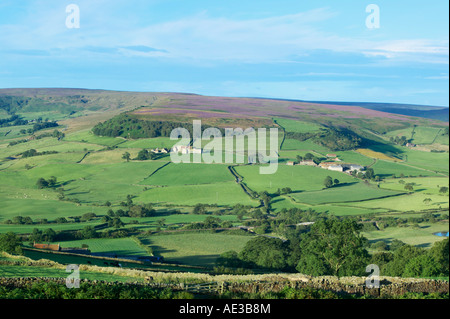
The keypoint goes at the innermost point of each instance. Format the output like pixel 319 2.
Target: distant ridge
pixel 426 111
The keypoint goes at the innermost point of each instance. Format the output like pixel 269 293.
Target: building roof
pixel 55 247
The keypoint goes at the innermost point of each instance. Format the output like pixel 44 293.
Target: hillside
pixel 89 168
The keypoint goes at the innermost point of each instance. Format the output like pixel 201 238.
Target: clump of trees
pixel 333 246
pixel 33 152
pixel 11 243
pixel 402 141
pixel 341 139
pixel 46 183
pixel 329 182
pixel 129 126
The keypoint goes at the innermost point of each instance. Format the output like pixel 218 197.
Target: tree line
pixel 336 247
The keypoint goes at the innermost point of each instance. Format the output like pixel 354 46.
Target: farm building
pixel 354 167
pixel 338 168
pixel 308 163
pixel 47 247
pixel 160 151
pixel 331 155
pixel 291 163
pixel 325 165
pixel 186 149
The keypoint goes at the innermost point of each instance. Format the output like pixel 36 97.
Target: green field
pixel 222 194
pixel 90 171
pixel 421 236
pixel 298 126
pixel 119 246
pixel 87 136
pixel 200 249
pixel 342 194
pixel 189 174
pixel 298 178
pixel 420 184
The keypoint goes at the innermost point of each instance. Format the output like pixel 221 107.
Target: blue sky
pixel 309 50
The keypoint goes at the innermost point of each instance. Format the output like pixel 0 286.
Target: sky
pixel 322 50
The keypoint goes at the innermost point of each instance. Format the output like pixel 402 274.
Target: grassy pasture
pixel 87 136
pixel 404 203
pixel 148 143
pixel 119 246
pixel 28 229
pixel 201 249
pixel 298 178
pixel 189 174
pixel 226 193
pixel 43 208
pixel 343 193
pixel 388 169
pixel 421 236
pixel 428 160
pixel 111 182
pixel 20 271
pixel 335 209
pixel 292 144
pixel 426 185
pixel 298 126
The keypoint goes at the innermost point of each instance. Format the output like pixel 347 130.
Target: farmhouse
pixel 160 151
pixel 325 165
pixel 308 163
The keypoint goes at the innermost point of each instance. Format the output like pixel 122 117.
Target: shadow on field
pixel 344 184
pixel 196 260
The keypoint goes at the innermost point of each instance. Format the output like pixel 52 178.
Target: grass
pixel 389 169
pixel 404 203
pixel 28 229
pixel 298 126
pixel 298 178
pixel 343 193
pixel 119 246
pixel 427 185
pixel 200 249
pixel 420 236
pixel 437 162
pixel 189 174
pixel 149 143
pixel 87 136
pixel 35 271
pixel 292 144
pixel 222 194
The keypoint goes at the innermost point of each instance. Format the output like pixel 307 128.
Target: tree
pixel 440 253
pixel 443 190
pixel 333 247
pixel 199 209
pixel 336 181
pixel 369 173
pixel 126 156
pixel 409 187
pixel 328 182
pixel 11 243
pixel 427 201
pixel 265 252
pixel 42 183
